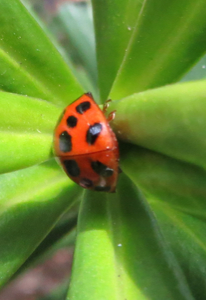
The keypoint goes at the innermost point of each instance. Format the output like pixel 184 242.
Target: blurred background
pixel 69 24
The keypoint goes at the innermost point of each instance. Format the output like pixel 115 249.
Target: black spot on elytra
pixel 86 183
pixel 102 188
pixel 93 132
pixel 65 142
pixel 82 107
pixel 71 167
pixel 101 169
pixel 72 121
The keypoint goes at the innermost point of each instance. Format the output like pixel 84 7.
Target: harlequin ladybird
pixel 86 146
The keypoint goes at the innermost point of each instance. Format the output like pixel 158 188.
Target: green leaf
pixel 163 42
pixel 113 22
pixel 77 22
pixel 135 244
pixel 120 252
pixel 166 181
pixel 186 234
pixel 176 193
pixel 197 72
pixel 26 131
pixel 169 120
pixel 31 202
pixel 62 235
pixel 29 63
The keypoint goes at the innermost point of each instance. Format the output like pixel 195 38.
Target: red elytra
pixel 86 146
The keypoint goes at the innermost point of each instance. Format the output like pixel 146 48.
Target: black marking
pixel 65 142
pixel 101 169
pixel 72 167
pixel 72 121
pixel 102 188
pixel 93 132
pixel 82 107
pixel 86 183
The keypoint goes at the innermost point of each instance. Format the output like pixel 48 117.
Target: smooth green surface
pixel 31 202
pixel 78 25
pixel 29 63
pixel 176 193
pixel 62 235
pixel 114 22
pixel 187 236
pixel 147 241
pixel 197 72
pixel 120 251
pixel 169 120
pixel 26 131
pixel 145 44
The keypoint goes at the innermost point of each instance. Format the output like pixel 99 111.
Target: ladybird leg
pixel 111 116
pixel 106 105
pixel 90 95
pixel 119 170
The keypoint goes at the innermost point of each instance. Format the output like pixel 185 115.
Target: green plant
pixel 147 241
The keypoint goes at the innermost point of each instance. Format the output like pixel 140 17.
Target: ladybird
pixel 86 146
